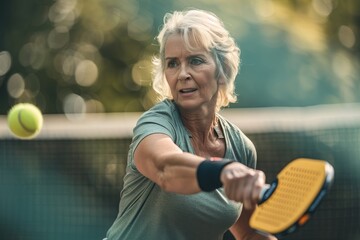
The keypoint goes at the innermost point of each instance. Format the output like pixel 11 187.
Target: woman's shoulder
pixel 162 114
pixel 165 107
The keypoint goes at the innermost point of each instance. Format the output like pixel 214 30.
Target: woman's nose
pixel 184 73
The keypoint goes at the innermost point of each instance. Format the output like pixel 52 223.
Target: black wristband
pixel 208 174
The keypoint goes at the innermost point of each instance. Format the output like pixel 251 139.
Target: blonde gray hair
pixel 200 29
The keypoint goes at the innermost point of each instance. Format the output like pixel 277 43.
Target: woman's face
pixel 190 75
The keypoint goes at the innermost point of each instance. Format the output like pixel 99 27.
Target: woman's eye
pixel 171 64
pixel 196 61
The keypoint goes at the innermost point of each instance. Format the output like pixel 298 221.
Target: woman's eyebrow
pixel 170 58
pixel 197 55
pixel 189 56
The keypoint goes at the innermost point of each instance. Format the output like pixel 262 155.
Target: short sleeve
pixel 157 120
pixel 251 153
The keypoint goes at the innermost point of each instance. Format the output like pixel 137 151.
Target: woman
pixel 179 183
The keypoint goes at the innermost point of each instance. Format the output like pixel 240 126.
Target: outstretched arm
pixel 158 158
pixel 163 162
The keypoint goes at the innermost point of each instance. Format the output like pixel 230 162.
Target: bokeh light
pixel 58 37
pixel 347 36
pixel 63 12
pixel 94 106
pixel 74 106
pixel 86 73
pixel 16 85
pixel 33 54
pixel 140 27
pixel 5 62
pixel 323 7
pixel 141 72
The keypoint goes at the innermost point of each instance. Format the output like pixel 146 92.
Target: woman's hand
pixel 242 184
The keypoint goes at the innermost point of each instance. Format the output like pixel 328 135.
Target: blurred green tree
pixel 79 56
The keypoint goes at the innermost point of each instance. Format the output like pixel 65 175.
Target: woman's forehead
pixel 177 42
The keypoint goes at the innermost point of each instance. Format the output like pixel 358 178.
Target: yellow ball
pixel 25 120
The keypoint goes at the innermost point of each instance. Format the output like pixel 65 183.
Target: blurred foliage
pixel 79 56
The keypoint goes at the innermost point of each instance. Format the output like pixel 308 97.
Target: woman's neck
pixel 201 124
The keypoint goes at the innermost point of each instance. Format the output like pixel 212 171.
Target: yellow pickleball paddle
pixel 292 198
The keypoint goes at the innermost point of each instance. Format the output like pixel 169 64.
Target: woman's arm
pixel 158 158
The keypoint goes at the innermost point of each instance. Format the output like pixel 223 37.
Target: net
pixel 65 184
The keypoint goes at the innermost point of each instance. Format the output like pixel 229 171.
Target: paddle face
pixel 293 197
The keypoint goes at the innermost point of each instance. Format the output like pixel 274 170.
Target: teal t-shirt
pixel 146 212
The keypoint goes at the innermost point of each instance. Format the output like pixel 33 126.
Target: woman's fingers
pixel 254 187
pixel 242 184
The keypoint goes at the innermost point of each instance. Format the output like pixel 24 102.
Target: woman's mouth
pixel 187 90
